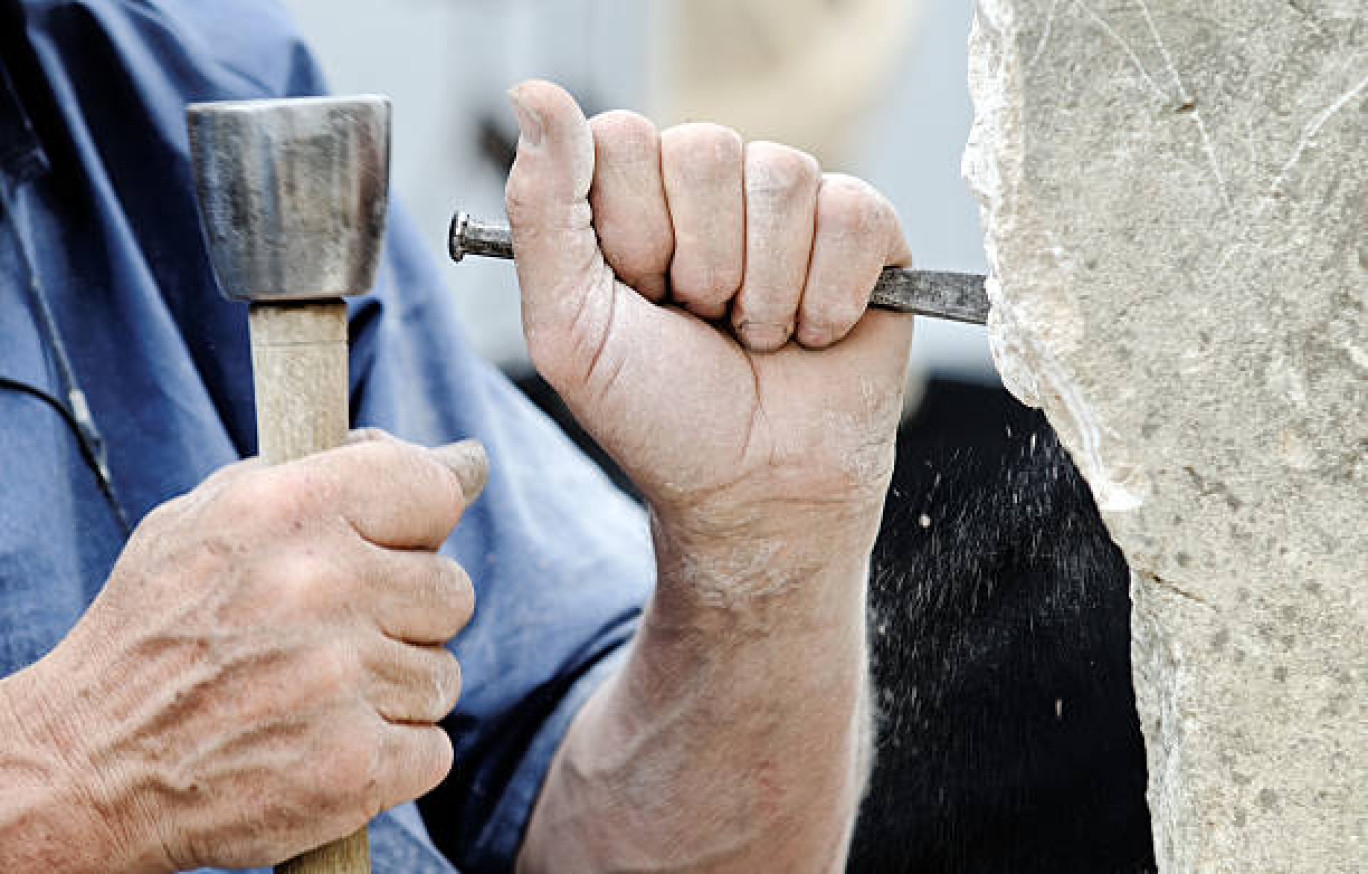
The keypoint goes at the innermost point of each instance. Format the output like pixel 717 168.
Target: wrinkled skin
pixel 606 216
pixel 269 621
pixel 700 305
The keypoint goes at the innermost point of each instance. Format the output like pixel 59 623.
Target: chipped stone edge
pixel 994 172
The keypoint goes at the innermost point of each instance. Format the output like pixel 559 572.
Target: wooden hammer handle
pixel 351 855
pixel 299 364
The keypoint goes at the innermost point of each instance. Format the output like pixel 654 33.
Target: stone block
pixel 1174 200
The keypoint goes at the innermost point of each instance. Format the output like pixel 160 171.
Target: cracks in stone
pixel 1044 36
pixel 1119 40
pixel 1187 103
pixel 1309 134
pixel 1307 16
pixel 1188 100
pixel 1250 143
pixel 1172 588
pixel 1183 94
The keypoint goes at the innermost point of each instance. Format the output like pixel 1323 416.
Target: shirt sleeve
pixel 560 558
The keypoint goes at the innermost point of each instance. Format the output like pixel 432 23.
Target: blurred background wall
pixel 874 87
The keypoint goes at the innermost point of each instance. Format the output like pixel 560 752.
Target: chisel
pixel 959 297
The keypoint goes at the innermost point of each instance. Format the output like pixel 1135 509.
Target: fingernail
pixel 529 122
pixel 764 336
pixel 469 462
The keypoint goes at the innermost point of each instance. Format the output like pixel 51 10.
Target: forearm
pixel 48 821
pixel 736 738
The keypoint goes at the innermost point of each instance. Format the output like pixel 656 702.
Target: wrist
pixel 762 634
pixel 726 557
pixel 58 811
pixel 788 509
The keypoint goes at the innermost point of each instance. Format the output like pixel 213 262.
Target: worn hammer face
pixel 293 194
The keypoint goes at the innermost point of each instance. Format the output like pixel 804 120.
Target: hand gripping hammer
pixel 293 196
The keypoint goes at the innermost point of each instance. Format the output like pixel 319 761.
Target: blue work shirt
pixel 107 302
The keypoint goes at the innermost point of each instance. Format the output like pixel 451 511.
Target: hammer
pixel 293 196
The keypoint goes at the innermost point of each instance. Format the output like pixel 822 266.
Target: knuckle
pixel 883 216
pixel 259 496
pixel 834 308
pixel 764 305
pixel 457 594
pixel 852 187
pixel 778 170
pixel 333 672
pixel 162 518
pixel 625 135
pixel 405 463
pixel 359 436
pixel 279 497
pixel 850 207
pixel 845 313
pixel 636 257
pixel 814 335
pixel 381 454
pixel 453 497
pixel 701 152
pixel 703 282
pixel 430 758
pixel 306 582
pixel 818 322
pixel 827 324
pixel 350 769
pixel 410 766
pixel 303 488
pixel 522 197
pixel 636 238
pixel 441 758
pixel 447 679
pixel 629 209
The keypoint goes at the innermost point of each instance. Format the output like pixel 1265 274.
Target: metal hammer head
pixel 293 194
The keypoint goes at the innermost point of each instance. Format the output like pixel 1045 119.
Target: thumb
pixel 469 462
pixel 559 262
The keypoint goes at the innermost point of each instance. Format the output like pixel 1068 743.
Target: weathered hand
pixel 264 670
pixel 700 306
pixel 635 250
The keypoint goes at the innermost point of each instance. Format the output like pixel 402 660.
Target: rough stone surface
pixel 1174 198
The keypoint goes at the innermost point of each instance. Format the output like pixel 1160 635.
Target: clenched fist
pixel 264 670
pixel 700 303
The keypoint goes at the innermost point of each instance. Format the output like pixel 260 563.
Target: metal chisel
pixel 959 297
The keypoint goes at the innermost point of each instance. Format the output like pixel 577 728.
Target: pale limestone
pixel 1174 198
